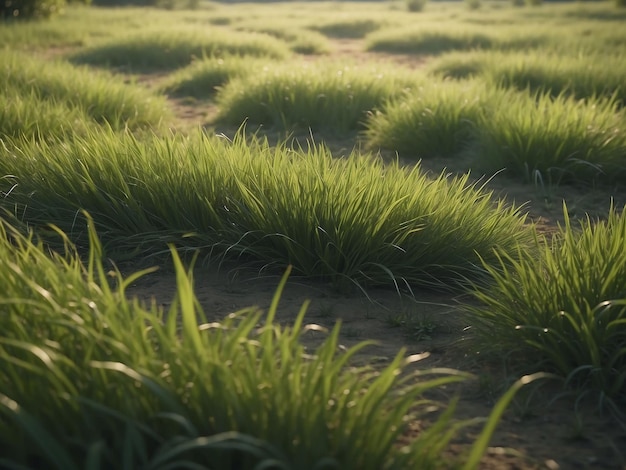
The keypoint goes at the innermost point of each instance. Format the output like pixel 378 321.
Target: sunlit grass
pixel 299 39
pixel 170 49
pixel 127 385
pixel 564 310
pixel 560 138
pixel 130 385
pixel 82 26
pixel 582 75
pixel 354 221
pixel 134 386
pixel 202 78
pixel 29 116
pixel 436 120
pixel 100 96
pixel 349 27
pixel 329 96
pixel 427 40
pixel 520 35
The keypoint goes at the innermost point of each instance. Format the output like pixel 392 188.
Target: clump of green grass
pixel 354 221
pixel 300 40
pixel 29 116
pixel 98 95
pixel 463 65
pixel 454 35
pixel 350 28
pixel 566 308
pixel 170 49
pixel 561 138
pixel 438 119
pixel 81 25
pixel 128 386
pixel 426 40
pixel 202 78
pixel 326 96
pixel 585 75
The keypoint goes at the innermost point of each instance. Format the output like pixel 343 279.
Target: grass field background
pixel 356 145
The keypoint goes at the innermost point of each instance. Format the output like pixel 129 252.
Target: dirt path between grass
pixel 535 433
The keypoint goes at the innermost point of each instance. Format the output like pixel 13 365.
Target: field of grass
pixel 307 162
pixel 65 94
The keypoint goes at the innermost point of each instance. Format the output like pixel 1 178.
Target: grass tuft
pixel 436 120
pixel 53 86
pixel 133 387
pixel 354 220
pixel 171 49
pixel 561 138
pixel 300 40
pixel 423 40
pixel 322 96
pixel 566 308
pixel 203 78
pixel 29 116
pixel 352 28
pixel 585 75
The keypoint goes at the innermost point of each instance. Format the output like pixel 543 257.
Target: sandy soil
pixel 536 432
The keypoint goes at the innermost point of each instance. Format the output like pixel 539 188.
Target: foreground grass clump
pixel 561 139
pixel 327 96
pixel 582 76
pixel 130 387
pixel 171 49
pixel 355 220
pixel 566 309
pixel 96 95
pixel 437 119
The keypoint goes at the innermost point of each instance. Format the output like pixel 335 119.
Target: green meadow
pixel 467 158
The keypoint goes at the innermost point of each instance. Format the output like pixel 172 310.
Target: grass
pixel 329 96
pixel 300 40
pixel 425 40
pixel 437 37
pixel 28 116
pixel 171 49
pixel 561 138
pixel 278 206
pixel 438 119
pixel 350 27
pixel 81 25
pixel 52 86
pixel 129 386
pixel 564 310
pixel 203 78
pixel 582 76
